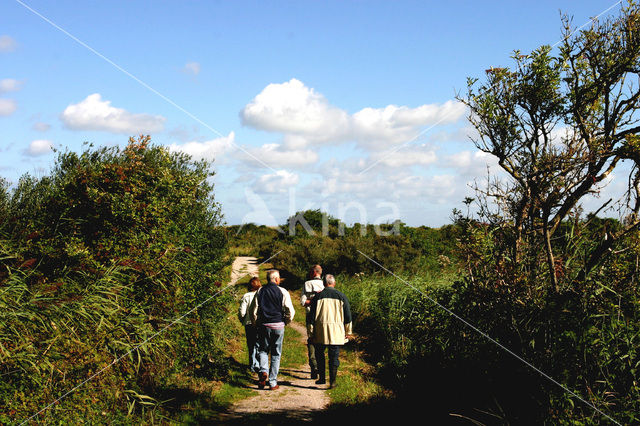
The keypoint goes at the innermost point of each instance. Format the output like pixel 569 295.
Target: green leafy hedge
pixel 586 337
pixel 95 259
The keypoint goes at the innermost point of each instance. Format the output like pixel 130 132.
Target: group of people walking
pixel 266 310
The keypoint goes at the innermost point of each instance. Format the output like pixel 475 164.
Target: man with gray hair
pixel 331 328
pixel 270 310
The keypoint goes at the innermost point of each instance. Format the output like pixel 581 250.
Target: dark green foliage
pixel 586 337
pixel 95 259
pixel 337 247
pixel 438 247
pixel 247 239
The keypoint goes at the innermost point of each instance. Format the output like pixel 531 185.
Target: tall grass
pixel 54 336
pixel 96 261
pixel 432 360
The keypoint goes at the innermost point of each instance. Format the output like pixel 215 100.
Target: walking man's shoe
pixel 274 387
pixel 262 380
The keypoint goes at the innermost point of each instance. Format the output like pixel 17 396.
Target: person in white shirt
pixel 245 318
pixel 311 287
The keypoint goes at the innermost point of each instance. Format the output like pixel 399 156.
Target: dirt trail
pixel 298 397
pixel 243 267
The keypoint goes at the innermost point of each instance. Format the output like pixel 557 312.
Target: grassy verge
pixel 192 400
pixel 196 400
pixel 294 352
pixel 355 384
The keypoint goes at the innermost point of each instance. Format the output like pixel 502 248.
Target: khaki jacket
pixel 330 317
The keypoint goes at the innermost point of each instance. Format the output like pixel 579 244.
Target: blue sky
pixel 301 104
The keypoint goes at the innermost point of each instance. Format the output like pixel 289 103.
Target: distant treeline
pixel 343 249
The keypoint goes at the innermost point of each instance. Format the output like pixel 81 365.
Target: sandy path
pixel 243 267
pixel 298 397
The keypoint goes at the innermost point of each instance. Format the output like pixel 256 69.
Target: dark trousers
pixel 334 357
pixel 252 346
pixel 311 351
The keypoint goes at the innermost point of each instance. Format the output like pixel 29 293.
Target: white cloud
pixel 344 177
pixel 291 107
pixel 406 157
pixel 271 155
pixel 280 181
pixel 397 186
pixel 466 134
pixel 7 44
pixel 294 141
pixel 440 188
pixel 305 117
pixel 260 212
pixel 7 107
pixel 379 127
pixel 472 164
pixel 274 155
pixel 562 136
pixel 461 160
pixel 192 68
pixel 95 114
pixel 41 127
pixel 9 85
pixel 39 147
pixel 342 181
pixel 207 150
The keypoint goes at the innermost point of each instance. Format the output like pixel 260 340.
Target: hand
pixel 307 302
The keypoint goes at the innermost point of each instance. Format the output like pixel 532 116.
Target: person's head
pixel 329 280
pixel 273 276
pixel 254 284
pixel 315 271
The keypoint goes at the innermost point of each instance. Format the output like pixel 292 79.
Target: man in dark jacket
pixel 270 310
pixel 330 328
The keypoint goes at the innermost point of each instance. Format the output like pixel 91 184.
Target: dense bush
pixel 585 336
pixel 95 259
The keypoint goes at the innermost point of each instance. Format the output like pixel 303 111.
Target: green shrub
pixel 95 259
pixel 586 337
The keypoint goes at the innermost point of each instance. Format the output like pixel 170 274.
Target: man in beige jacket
pixel 331 328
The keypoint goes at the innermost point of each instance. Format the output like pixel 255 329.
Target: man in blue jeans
pixel 270 310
